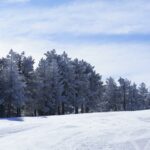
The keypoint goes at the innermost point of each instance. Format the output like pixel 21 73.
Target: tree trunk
pixel 58 110
pixel 18 112
pixel 87 109
pixel 82 108
pixel 124 98
pixel 63 108
pixel 9 110
pixel 35 112
pixel 2 111
pixel 76 110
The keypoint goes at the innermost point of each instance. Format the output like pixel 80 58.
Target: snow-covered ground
pixel 97 131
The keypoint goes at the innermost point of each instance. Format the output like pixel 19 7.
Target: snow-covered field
pixel 97 131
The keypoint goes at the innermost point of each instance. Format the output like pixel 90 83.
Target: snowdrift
pixel 96 131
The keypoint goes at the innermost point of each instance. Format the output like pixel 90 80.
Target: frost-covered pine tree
pixel 143 92
pixel 3 64
pixel 111 94
pixel 133 97
pixel 80 83
pixel 15 93
pixel 60 85
pixel 42 87
pixel 87 86
pixel 55 83
pixel 94 89
pixel 67 79
pixel 50 88
pixel 27 69
pixel 124 92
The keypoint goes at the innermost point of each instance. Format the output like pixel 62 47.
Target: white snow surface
pixel 95 131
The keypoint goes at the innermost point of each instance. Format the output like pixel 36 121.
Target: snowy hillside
pixel 97 131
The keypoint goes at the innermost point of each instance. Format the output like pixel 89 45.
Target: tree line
pixel 60 85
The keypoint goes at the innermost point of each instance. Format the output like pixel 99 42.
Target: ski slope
pixel 96 131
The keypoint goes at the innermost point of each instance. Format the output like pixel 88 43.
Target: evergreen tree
pixel 124 92
pixel 60 85
pixel 111 94
pixel 67 79
pixel 27 69
pixel 143 91
pixel 133 97
pixel 15 93
pixel 2 87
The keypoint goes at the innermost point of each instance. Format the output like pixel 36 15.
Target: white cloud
pixel 80 17
pixel 32 28
pixel 126 60
pixel 13 1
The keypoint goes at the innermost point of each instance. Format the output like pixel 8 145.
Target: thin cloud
pixel 80 18
pixel 13 1
pixel 41 28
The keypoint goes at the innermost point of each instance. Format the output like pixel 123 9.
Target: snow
pixel 95 131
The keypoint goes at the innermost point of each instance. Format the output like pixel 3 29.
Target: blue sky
pixel 114 36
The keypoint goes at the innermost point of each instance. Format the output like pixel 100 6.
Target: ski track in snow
pixel 97 131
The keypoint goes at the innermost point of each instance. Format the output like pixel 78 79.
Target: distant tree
pixel 60 85
pixel 2 87
pixel 133 97
pixel 143 92
pixel 15 93
pixel 43 93
pixel 111 94
pixel 81 83
pixel 50 86
pixel 124 92
pixel 67 79
pixel 94 90
pixel 27 69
